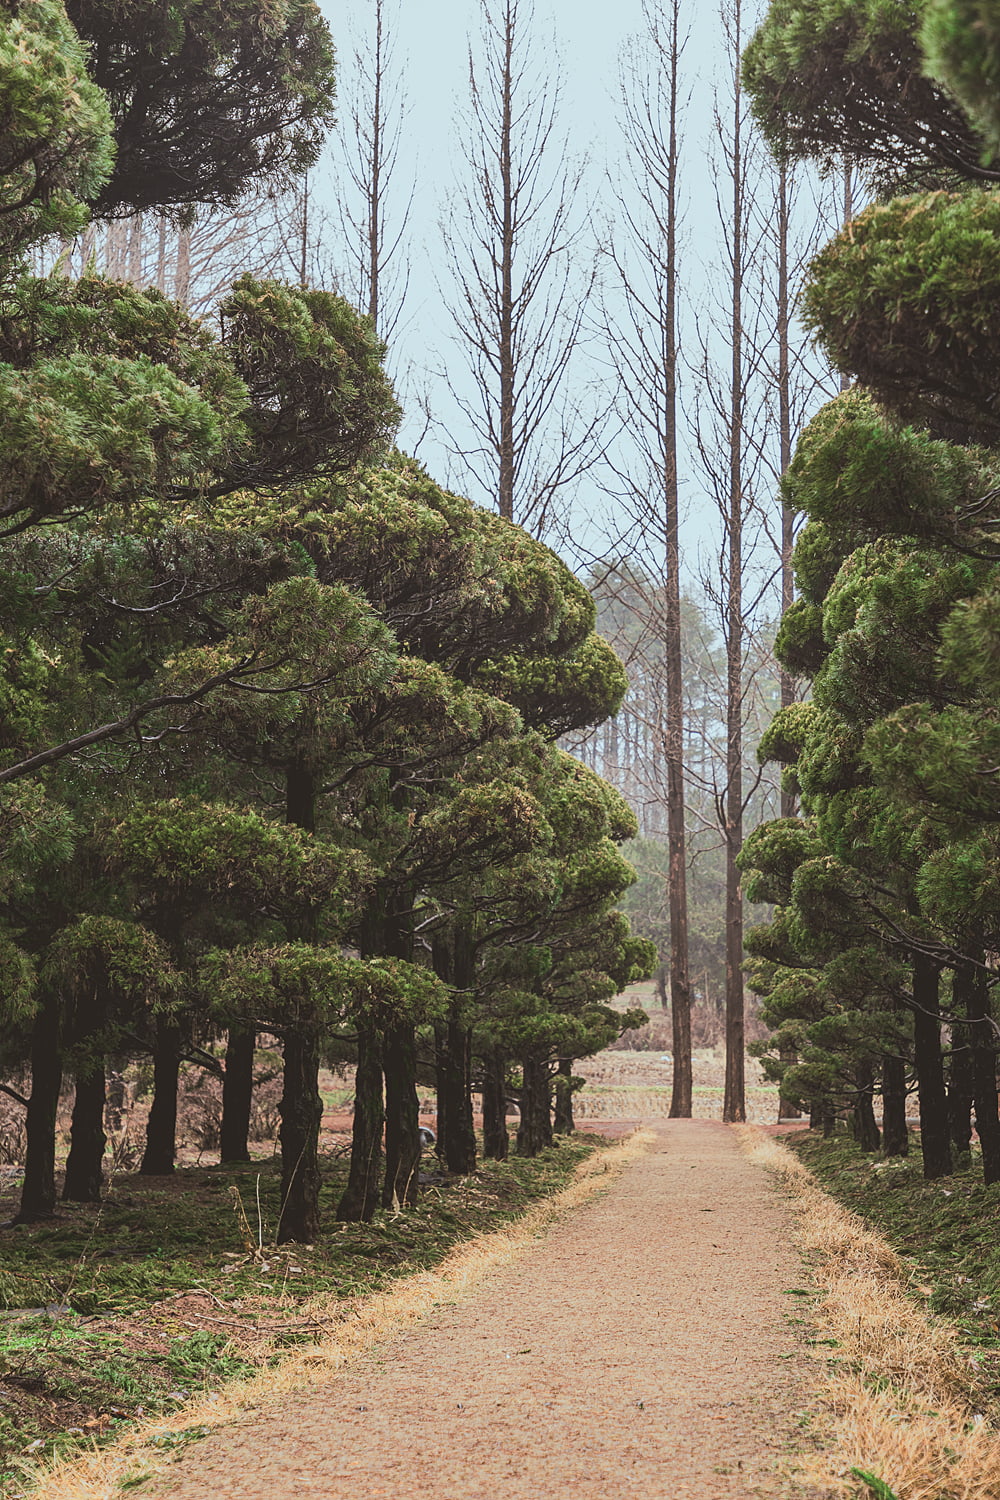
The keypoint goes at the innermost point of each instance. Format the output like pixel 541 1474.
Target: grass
pixel 338 1332
pixel 912 1378
pixel 947 1231
pixel 164 1292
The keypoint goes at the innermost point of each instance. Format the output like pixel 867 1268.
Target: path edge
pixel 146 1451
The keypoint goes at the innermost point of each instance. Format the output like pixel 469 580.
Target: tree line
pixel 279 712
pixel 879 965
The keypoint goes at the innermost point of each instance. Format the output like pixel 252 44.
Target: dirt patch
pixel 640 1348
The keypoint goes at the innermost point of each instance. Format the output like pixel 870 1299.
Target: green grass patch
pixel 161 1291
pixel 947 1231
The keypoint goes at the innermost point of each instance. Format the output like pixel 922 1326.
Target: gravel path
pixel 639 1348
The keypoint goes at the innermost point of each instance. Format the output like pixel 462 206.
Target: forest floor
pixel 643 1346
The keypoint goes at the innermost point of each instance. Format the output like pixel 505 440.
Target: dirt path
pixel 639 1348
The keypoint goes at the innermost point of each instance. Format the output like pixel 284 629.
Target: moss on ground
pixel 947 1232
pixel 172 1286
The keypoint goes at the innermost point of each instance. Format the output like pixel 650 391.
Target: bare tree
pixel 641 329
pixel 373 217
pixel 516 300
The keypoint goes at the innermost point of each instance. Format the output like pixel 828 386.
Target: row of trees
pixel 278 712
pixel 879 964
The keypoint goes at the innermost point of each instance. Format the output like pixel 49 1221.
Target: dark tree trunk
pixel 829 1116
pixel 960 1091
pixel 935 1143
pixel 116 1095
pixel 441 1088
pixel 563 1124
pixel 301 1110
pixel 161 1128
pixel 460 1144
pixel 984 1075
pixel 237 1094
pixel 895 1136
pixel 360 1198
pixel 961 1088
pixel 866 1130
pixel 496 1140
pixel 787 1110
pixel 402 1117
pixel 455 963
pixel 534 1131
pixel 38 1193
pixel 84 1165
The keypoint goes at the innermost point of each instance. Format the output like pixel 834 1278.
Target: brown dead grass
pixel 146 1450
pixel 903 1396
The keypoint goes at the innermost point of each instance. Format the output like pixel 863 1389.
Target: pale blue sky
pixel 432 41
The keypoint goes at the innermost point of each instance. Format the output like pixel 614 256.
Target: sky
pixel 431 52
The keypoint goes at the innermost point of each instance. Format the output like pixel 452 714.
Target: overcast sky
pixel 432 41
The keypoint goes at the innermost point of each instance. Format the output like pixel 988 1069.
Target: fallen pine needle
pixel 902 1393
pixel 146 1449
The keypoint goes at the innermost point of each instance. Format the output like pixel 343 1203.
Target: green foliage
pixel 786 736
pixel 81 430
pixel 17 983
pixel 830 79
pixel 560 694
pixel 184 852
pixel 904 300
pixel 961 43
pixel 56 144
pixel 320 401
pixel 857 474
pixel 206 99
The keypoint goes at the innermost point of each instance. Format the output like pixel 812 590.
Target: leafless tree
pixel 641 330
pixel 373 216
pixel 516 298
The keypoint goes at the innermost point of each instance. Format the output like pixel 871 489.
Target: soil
pixel 641 1347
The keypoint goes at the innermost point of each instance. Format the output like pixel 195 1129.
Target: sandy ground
pixel 638 1348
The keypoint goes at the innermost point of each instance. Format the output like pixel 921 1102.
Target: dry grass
pixel 903 1396
pixel 638 1086
pixel 145 1451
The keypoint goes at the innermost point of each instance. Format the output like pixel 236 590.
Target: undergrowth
pixel 947 1231
pixel 112 1314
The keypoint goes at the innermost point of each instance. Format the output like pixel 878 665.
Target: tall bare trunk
pixel 680 979
pixel 734 1104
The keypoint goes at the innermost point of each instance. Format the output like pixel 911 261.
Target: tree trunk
pixel 496 1140
pixel 441 1089
pixel 786 681
pixel 984 1074
pixel 895 1136
pixel 734 1102
pixel 563 1124
pixel 161 1128
pixel 460 1144
pixel 961 1090
pixel 455 963
pixel 402 1118
pixel 935 1144
pixel 534 1131
pixel 360 1198
pixel 301 1110
pixel 237 1094
pixel 84 1165
pixel 38 1193
pixel 866 1129
pixel 787 1110
pixel 116 1095
pixel 680 977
